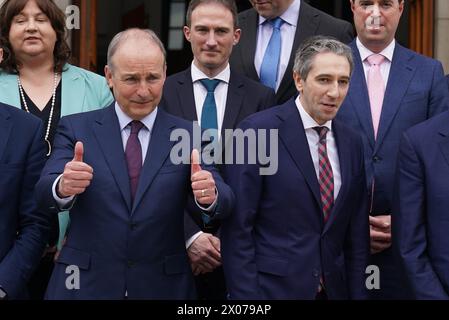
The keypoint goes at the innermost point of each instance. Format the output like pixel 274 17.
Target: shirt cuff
pixel 63 203
pixel 192 239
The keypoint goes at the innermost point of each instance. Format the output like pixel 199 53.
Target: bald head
pixel 130 37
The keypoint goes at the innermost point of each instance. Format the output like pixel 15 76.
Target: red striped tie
pixel 326 176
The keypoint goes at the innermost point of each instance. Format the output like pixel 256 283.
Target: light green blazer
pixel 82 91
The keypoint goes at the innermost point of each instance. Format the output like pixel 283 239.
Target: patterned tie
pixel 133 154
pixel 376 88
pixel 326 176
pixel 270 63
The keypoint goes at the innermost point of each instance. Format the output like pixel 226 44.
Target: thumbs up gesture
pixel 203 183
pixel 77 175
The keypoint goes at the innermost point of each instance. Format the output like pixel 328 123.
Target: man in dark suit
pixel 387 96
pixel 128 193
pixel 212 32
pixel 420 219
pixel 24 229
pixel 297 21
pixel 302 232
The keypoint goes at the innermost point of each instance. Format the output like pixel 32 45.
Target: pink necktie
pixel 376 88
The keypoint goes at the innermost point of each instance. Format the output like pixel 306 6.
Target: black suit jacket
pixel 244 98
pixel 311 22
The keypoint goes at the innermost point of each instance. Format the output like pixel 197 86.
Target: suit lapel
pixel 250 24
pixel 158 150
pixel 293 136
pixel 186 96
pixel 233 102
pixel 5 129
pixel 444 144
pixel 107 131
pixel 358 95
pixel 401 73
pixel 344 153
pixel 306 27
pixel 73 88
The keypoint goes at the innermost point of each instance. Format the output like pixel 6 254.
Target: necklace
pixel 53 99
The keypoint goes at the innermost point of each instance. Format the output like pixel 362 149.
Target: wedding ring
pixel 203 192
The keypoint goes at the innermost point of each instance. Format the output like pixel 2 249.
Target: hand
pixel 380 233
pixel 1 55
pixel 204 254
pixel 203 183
pixel 77 175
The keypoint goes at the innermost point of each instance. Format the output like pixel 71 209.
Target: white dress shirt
pixel 221 93
pixel 313 139
pixel 385 66
pixel 288 30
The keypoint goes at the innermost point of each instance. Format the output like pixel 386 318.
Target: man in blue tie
pixel 127 195
pixel 271 32
pixel 208 92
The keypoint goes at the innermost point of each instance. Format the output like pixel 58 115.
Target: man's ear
pixel 299 83
pixel 108 75
pixel 186 31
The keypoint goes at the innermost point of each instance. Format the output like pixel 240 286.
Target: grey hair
pixel 319 44
pixel 133 33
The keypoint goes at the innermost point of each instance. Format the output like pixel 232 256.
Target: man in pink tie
pixel 392 89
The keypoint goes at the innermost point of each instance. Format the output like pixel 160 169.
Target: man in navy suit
pixel 299 22
pixel 421 218
pixel 302 232
pixel 212 32
pixel 116 169
pixel 24 229
pixel 385 98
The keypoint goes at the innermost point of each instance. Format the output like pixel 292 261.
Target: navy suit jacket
pixel 416 90
pixel 23 230
pixel 119 246
pixel 447 79
pixel 421 216
pixel 311 22
pixel 245 97
pixel 276 244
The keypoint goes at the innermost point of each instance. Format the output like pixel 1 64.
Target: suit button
pixel 130 263
pixel 316 273
pixel 377 159
pixel 133 226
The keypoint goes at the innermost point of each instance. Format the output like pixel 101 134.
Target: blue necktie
pixel 270 63
pixel 209 112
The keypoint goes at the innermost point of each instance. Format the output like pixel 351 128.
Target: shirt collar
pixel 223 76
pixel 124 119
pixel 365 52
pixel 307 121
pixel 290 15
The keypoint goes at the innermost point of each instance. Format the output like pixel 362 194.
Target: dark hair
pixel 228 4
pixel 57 18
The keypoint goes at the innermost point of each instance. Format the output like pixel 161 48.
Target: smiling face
pixel 212 36
pixel 137 77
pixel 326 86
pixel 31 33
pixel 390 11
